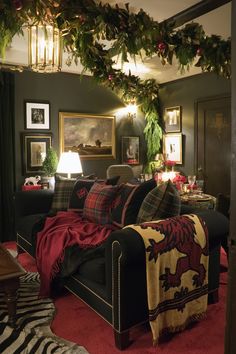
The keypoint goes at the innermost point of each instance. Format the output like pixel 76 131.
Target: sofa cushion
pixel 81 189
pixel 161 202
pixel 128 201
pixel 97 206
pixel 25 225
pixel 62 193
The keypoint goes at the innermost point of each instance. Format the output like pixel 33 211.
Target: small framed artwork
pixel 130 150
pixel 92 136
pixel 34 149
pixel 37 115
pixel 172 147
pixel 173 119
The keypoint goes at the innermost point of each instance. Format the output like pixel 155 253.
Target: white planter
pixel 50 180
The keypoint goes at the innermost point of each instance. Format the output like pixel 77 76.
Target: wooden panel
pixel 213 135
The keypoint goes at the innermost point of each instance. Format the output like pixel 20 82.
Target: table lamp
pixel 69 163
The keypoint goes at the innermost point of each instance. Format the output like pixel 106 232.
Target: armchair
pixel 124 171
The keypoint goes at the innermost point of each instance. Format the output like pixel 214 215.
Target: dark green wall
pixel 185 92
pixel 71 93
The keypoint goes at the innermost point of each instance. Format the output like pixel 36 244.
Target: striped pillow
pixel 97 206
pixel 160 203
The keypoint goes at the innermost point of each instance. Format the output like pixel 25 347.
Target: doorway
pixel 213 143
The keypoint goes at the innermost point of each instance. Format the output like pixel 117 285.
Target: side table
pixel 10 272
pixel 203 201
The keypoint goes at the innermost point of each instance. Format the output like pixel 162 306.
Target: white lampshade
pixel 69 163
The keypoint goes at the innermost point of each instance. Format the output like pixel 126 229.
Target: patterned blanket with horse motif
pixel 177 272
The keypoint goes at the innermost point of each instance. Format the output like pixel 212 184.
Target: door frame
pixel 196 110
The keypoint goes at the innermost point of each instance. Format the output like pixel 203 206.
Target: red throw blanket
pixel 65 229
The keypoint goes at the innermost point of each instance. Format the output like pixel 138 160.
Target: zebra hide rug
pixel 34 315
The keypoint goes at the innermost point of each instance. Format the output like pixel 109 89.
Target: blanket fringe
pixel 171 330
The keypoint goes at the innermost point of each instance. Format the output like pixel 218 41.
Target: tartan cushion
pixel 62 193
pixel 128 201
pixel 80 193
pixel 97 206
pixel 81 189
pixel 160 203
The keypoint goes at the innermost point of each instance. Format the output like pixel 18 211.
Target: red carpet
pixel 76 322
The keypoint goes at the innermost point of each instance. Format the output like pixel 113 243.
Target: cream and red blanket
pixel 177 272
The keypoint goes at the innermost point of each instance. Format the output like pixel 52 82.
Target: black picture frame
pixel 34 149
pixel 173 119
pixel 130 150
pixel 37 115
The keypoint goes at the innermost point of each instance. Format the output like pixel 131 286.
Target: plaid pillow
pixel 97 206
pixel 62 193
pixel 82 188
pixel 160 203
pixel 80 193
pixel 128 201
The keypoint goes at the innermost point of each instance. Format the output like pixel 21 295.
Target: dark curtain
pixel 7 157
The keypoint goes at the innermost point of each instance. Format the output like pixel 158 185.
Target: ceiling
pixel 217 21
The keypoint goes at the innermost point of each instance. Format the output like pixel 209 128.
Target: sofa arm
pixel 126 269
pixel 126 278
pixel 33 202
pixel 131 244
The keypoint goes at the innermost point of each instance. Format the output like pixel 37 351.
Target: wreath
pixel 86 24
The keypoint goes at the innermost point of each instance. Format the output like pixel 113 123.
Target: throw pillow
pixel 128 201
pixel 62 193
pixel 97 206
pixel 160 203
pixel 79 194
pixel 82 188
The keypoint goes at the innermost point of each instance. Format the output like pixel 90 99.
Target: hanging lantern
pixel 45 48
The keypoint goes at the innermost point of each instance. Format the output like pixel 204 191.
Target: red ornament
pixel 161 46
pixel 199 51
pixel 18 4
pixel 110 77
pixel 82 19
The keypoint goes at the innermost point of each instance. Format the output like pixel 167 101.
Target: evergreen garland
pixel 85 24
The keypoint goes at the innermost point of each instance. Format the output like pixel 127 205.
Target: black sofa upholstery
pixel 113 282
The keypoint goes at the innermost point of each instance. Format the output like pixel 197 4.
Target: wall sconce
pixel 45 48
pixel 131 109
pixel 69 163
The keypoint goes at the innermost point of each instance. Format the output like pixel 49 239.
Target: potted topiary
pixel 49 167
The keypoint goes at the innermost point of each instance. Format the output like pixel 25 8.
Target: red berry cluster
pixel 18 4
pixel 161 46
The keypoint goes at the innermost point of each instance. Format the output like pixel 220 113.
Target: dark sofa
pixel 113 281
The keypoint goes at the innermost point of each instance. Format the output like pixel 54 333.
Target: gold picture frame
pixel 172 147
pixel 173 119
pixel 92 136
